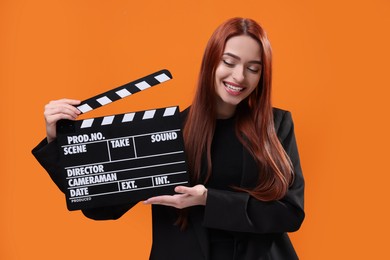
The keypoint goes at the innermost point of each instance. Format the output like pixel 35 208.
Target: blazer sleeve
pixel 47 154
pixel 238 211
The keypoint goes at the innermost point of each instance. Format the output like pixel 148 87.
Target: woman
pixel 247 185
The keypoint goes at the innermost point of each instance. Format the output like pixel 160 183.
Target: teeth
pixel 233 87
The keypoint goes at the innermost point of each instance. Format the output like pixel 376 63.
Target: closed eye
pixel 254 70
pixel 229 64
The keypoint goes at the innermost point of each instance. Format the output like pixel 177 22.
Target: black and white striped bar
pixel 124 91
pixel 129 117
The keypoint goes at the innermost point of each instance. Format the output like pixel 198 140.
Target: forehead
pixel 244 47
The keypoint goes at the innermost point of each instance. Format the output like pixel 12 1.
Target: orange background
pixel 331 64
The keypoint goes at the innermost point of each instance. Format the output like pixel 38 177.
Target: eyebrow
pixel 238 58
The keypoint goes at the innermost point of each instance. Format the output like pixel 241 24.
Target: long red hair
pixel 255 126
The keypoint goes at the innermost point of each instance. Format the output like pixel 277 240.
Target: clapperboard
pixel 125 157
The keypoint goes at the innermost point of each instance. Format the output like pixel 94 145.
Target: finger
pixel 68 101
pixel 63 109
pixel 65 102
pixel 167 200
pixel 54 118
pixel 183 189
pixel 159 199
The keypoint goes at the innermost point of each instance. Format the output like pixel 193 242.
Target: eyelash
pixel 231 65
pixel 228 64
pixel 253 70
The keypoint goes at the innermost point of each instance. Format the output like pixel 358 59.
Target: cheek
pixel 255 81
pixel 221 73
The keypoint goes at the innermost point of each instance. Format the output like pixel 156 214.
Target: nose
pixel 238 74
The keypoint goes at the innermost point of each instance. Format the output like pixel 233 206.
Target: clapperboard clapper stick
pixel 122 158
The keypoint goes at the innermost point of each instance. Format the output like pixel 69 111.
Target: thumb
pixel 193 191
pixel 183 189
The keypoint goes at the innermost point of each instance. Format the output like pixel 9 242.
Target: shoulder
pixel 283 122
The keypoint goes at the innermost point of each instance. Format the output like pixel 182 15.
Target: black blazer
pixel 259 227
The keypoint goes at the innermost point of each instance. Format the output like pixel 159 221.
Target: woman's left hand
pixel 187 197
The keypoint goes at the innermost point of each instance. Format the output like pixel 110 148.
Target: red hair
pixel 255 126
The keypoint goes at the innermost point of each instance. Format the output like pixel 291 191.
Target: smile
pixel 233 88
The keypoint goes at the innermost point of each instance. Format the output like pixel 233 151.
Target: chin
pixel 231 102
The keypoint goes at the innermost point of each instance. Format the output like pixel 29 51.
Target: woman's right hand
pixel 56 110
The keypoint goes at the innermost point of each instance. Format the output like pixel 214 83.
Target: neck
pixel 224 110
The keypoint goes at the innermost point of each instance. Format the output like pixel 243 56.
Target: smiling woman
pixel 247 184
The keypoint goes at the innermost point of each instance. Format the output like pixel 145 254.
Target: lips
pixel 233 89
